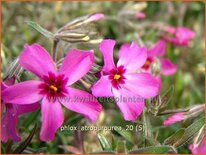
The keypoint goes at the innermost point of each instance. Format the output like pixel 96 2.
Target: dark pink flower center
pixel 117 77
pixel 54 86
pixel 148 63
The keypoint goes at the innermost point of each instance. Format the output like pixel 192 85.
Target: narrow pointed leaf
pixel 126 134
pixel 152 150
pixel 104 143
pixel 167 97
pixel 190 132
pixel 40 29
pixel 175 137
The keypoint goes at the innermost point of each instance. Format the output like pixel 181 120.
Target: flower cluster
pixel 133 75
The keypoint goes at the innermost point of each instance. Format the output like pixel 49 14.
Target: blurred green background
pixel 188 81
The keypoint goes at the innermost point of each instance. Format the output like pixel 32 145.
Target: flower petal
pixel 83 103
pixel 22 109
pixel 129 103
pixel 3 86
pixel 52 119
pixel 158 49
pixel 123 49
pixel 22 93
pixel 184 34
pixel 37 60
pixel 132 58
pixel 103 87
pixel 143 84
pixel 76 64
pixel 106 47
pixel 8 127
pixel 167 67
pixel 198 148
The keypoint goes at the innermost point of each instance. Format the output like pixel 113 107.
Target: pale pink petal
pixel 177 117
pixel 22 93
pixel 106 47
pixel 96 17
pixel 22 109
pixel 130 104
pixel 82 102
pixel 158 49
pixel 167 67
pixel 183 34
pixel 8 126
pixel 37 60
pixel 76 64
pixel 143 84
pixel 123 49
pixel 132 58
pixel 52 119
pixel 102 87
pixel 140 15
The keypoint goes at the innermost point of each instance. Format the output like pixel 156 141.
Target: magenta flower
pixel 52 87
pixel 177 117
pixel 198 148
pixel 158 51
pixel 122 81
pixel 11 112
pixel 181 35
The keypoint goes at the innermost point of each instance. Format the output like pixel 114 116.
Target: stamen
pixel 53 88
pixel 147 63
pixel 117 77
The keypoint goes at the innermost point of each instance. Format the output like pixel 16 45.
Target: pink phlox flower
pixel 53 87
pixel 157 52
pixel 122 80
pixel 180 35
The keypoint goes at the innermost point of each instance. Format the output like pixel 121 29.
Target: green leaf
pixel 167 97
pixel 104 143
pixel 126 134
pixel 190 132
pixel 172 111
pixel 175 137
pixel 40 29
pixel 152 150
pixel 25 143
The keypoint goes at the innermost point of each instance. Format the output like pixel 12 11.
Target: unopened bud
pixel 140 15
pixel 156 67
pixel 95 17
